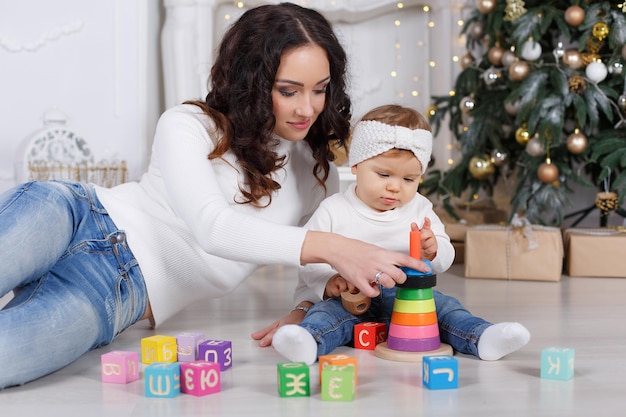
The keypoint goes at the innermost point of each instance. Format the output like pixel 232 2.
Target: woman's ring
pixel 377 277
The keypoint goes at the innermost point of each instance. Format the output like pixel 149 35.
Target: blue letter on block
pixel 557 363
pixel 440 372
pixel 163 380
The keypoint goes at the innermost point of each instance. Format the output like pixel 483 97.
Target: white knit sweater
pixel 345 214
pixel 191 239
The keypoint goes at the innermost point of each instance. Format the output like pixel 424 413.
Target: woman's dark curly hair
pixel 240 93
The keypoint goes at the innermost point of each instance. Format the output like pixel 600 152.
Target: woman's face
pixel 299 91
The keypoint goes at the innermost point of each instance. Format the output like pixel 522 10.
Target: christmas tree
pixel 540 103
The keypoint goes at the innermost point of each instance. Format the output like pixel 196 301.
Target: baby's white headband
pixel 371 138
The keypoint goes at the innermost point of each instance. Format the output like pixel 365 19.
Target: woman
pixel 229 183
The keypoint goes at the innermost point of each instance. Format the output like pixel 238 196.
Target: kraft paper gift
pixel 526 252
pixel 456 232
pixel 595 252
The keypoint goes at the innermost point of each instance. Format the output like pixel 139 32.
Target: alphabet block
pixel 218 351
pixel 199 378
pixel 162 380
pixel 338 383
pixel 158 348
pixel 367 335
pixel 294 379
pixel 188 346
pixel 440 372
pixel 120 367
pixel 557 363
pixel 337 360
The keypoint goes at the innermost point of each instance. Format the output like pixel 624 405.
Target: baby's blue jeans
pixel 332 325
pixel 75 282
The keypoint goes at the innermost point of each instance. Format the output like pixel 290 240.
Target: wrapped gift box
pixel 473 217
pixel 469 216
pixel 595 252
pixel 520 253
pixel 456 232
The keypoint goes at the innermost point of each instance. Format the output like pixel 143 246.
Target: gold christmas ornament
pixel 577 142
pixel 600 30
pixel 574 15
pixel 486 6
pixel 519 70
pixel 495 55
pixel 547 172
pixel 606 202
pixel 431 111
pixel 573 59
pixel 522 135
pixel 467 60
pixel 514 10
pixel 481 167
pixel 577 84
pixel 588 58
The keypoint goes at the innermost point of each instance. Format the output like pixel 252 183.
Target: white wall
pixel 97 61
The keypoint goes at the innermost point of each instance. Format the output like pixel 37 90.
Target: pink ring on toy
pixel 414 332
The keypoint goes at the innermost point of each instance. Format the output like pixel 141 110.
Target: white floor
pixel 586 314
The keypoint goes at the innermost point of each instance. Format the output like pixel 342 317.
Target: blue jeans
pixel 332 325
pixel 75 282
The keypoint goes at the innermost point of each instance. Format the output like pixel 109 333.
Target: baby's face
pixel 388 180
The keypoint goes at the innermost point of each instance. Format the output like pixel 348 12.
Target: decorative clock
pixel 57 151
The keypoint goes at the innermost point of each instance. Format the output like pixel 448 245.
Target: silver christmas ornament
pixel 616 67
pixel 512 108
pixel 498 157
pixel 621 102
pixel 559 50
pixel 535 148
pixel 531 50
pixel 467 104
pixel 491 75
pixel 508 58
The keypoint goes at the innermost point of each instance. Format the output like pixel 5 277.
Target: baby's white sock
pixel 501 339
pixel 295 344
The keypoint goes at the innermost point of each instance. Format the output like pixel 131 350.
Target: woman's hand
pixel 265 335
pixel 358 262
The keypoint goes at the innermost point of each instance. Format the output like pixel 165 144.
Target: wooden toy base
pixel 382 351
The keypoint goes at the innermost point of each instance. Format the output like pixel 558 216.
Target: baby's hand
pixel 336 285
pixel 428 240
